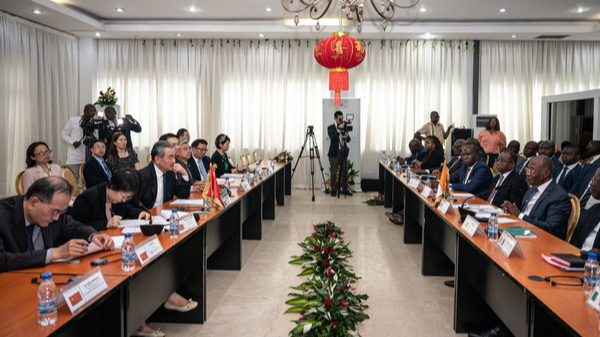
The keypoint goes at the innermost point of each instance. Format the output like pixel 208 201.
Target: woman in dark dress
pixel 221 159
pixel 121 157
pixel 433 157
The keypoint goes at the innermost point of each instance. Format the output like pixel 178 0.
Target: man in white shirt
pixel 199 162
pixel 434 128
pixel 73 135
pixel 546 204
pixel 569 170
pixel 530 150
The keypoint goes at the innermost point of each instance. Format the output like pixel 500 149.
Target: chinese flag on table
pixel 211 190
pixel 443 192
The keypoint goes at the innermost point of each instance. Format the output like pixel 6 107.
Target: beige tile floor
pixel 251 302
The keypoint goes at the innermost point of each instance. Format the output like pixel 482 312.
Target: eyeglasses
pixel 201 149
pixel 55 212
pixel 530 170
pixel 125 197
pixel 43 153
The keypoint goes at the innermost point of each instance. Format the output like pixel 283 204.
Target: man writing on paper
pixel 546 204
pixel 162 179
pixel 35 231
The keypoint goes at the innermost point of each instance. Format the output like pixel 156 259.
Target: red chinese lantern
pixel 339 53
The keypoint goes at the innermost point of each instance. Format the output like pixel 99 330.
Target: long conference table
pixel 489 286
pixel 137 296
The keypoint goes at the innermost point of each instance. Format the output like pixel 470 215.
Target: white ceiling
pixel 445 19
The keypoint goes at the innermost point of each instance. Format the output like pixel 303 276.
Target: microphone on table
pixel 464 212
pixel 145 209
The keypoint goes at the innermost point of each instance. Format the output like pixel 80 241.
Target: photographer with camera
pixel 76 138
pixel 338 133
pixel 114 124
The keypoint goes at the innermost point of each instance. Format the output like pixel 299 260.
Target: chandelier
pixel 351 8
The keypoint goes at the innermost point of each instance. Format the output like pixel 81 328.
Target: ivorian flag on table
pixel 443 192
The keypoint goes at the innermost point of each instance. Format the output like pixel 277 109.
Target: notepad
pixel 519 232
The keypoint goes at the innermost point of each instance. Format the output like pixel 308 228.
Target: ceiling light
pixel 36 11
pixel 423 10
pixel 98 34
pixel 193 9
pixel 502 10
pixel 119 9
pixel 268 9
pixel 427 36
pixel 514 36
pixel 261 35
pixel 352 9
pixel 580 10
pixel 178 35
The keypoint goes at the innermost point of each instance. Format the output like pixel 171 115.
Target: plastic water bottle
pixel 428 182
pixel 272 165
pixel 47 313
pixel 227 182
pixel 174 224
pixel 451 193
pixel 493 228
pixel 590 273
pixel 128 253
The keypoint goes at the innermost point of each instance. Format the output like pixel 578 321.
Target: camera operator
pixel 124 125
pixel 336 131
pixel 75 136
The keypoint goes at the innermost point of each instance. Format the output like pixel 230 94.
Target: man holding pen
pixel 35 231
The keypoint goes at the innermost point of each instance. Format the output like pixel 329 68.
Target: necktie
pixel 106 170
pixel 30 229
pixel 493 194
pixel 202 170
pixel 467 176
pixel 562 175
pixel 585 196
pixel 533 190
pixel 165 195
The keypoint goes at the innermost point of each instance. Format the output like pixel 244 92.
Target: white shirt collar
pixel 159 173
pixel 543 186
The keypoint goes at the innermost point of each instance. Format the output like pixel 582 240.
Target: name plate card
pixel 426 191
pixel 148 249
pixel 270 169
pixel 445 206
pixel 187 223
pixel 85 289
pixel 508 244
pixel 246 186
pixel 414 183
pixel 226 199
pixel 594 299
pixel 472 226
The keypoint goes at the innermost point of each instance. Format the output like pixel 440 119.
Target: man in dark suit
pixel 592 153
pixel 507 185
pixel 455 163
pixel 185 153
pixel 582 188
pixel 473 176
pixel 586 234
pixel 546 204
pixel 530 151
pixel 163 179
pixel 125 125
pixel 548 149
pixel 335 133
pixel 35 231
pixel 199 162
pixel 515 147
pixel 96 170
pixel 569 170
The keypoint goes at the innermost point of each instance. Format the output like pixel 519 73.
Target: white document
pixel 462 195
pixel 187 202
pixel 506 220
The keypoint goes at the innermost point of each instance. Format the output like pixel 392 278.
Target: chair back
pixel 232 162
pixel 255 154
pixel 573 217
pixel 68 174
pixel 248 158
pixel 19 183
pixel 243 161
pixel 81 178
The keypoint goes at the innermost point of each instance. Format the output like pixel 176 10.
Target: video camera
pixel 348 127
pixel 89 125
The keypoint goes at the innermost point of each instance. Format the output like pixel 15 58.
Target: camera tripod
pixel 313 153
pixel 342 184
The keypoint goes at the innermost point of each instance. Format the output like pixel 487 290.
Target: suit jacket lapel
pixel 154 185
pixel 18 222
pixel 542 197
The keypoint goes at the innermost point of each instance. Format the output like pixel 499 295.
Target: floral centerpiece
pixel 375 200
pixel 108 98
pixel 327 301
pixel 284 157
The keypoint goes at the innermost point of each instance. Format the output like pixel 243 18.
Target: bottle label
pixel 127 257
pixel 46 307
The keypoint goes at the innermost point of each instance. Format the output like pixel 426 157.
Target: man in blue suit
pixel 473 176
pixel 586 235
pixel 581 189
pixel 548 148
pixel 199 162
pixel 96 170
pixel 569 170
pixel 546 204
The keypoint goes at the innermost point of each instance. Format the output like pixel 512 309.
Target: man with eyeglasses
pixel 546 204
pixel 199 163
pixel 35 231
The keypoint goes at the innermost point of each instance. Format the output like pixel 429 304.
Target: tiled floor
pixel 251 302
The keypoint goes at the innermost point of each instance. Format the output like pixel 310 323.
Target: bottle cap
pixel 46 276
pixel 493 214
pixel 592 256
pixel 127 235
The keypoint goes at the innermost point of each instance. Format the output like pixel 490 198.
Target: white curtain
pixel 516 75
pixel 38 91
pixel 264 94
